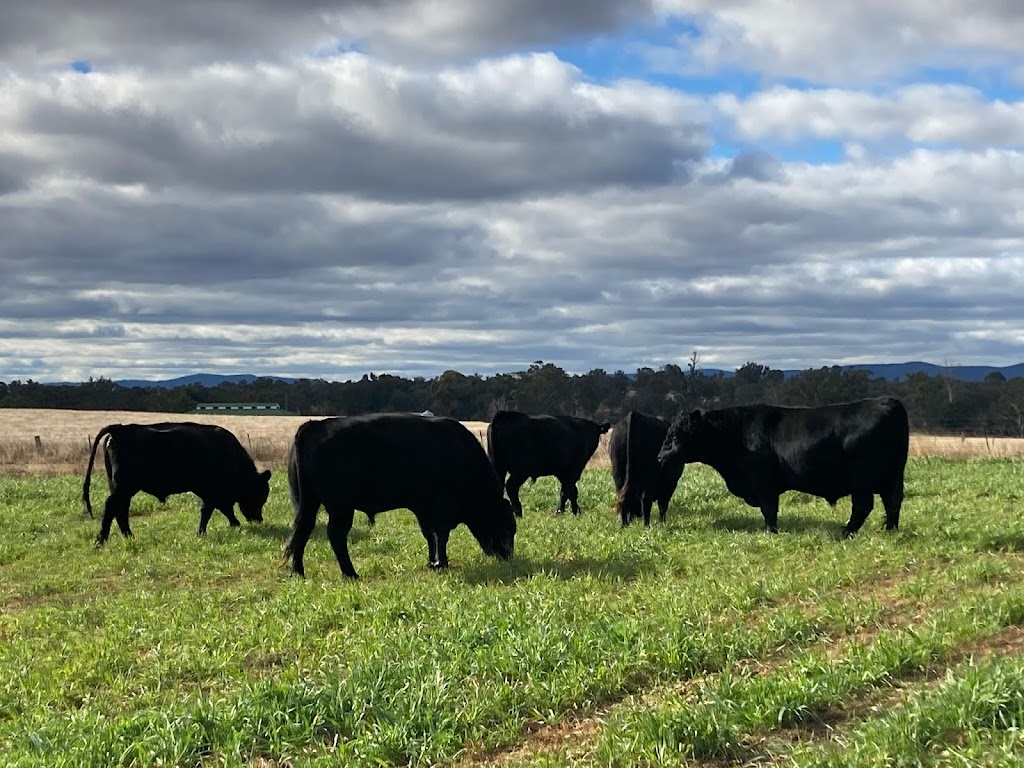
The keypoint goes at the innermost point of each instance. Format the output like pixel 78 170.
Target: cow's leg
pixel 770 512
pixel 662 509
pixel 428 534
pixel 512 487
pixel 228 510
pixel 122 519
pixel 625 508
pixel 863 502
pixel 339 523
pixel 302 529
pixel 205 513
pixel 571 494
pixel 892 500
pixel 647 502
pixel 115 507
pixel 440 548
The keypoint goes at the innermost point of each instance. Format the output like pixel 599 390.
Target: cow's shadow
pixel 792 523
pixel 1012 541
pixel 281 531
pixel 614 568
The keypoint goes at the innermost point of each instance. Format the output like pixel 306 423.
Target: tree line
pixel 937 404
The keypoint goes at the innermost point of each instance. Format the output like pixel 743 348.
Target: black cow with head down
pixel 177 457
pixel 430 465
pixel 639 479
pixel 527 447
pixel 852 449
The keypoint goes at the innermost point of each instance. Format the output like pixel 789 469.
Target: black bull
pixel 177 457
pixel 432 466
pixel 852 449
pixel 527 447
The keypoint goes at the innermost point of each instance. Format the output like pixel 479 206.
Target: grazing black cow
pixel 853 449
pixel 177 457
pixel 527 447
pixel 429 465
pixel 639 479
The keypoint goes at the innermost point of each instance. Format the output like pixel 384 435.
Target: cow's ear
pixel 605 427
pixel 265 474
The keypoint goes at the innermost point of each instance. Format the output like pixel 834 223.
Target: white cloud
pixel 930 114
pixel 350 124
pixel 844 40
pixel 184 32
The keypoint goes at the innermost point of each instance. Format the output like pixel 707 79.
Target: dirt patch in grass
pixel 828 722
pixel 539 738
pixel 578 733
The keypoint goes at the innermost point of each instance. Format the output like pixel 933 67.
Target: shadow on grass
pixel 613 568
pixel 281 531
pixel 787 524
pixel 1011 541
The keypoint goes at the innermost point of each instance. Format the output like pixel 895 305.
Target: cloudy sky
pixel 330 187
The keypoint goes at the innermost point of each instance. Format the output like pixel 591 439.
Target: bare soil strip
pixel 578 733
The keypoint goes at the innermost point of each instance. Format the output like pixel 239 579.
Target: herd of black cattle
pixel 436 468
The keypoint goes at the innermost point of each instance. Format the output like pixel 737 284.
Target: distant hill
pixel 202 379
pixel 887 371
pixel 893 371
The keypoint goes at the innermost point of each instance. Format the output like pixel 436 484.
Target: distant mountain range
pixel 888 371
pixel 202 379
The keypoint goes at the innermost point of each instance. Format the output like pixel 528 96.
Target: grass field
pixel 700 642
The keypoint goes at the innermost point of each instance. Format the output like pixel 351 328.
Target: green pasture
pixel 701 641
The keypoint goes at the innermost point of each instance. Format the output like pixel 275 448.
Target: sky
pixel 326 188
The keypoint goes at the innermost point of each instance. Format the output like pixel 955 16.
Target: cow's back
pixel 388 461
pixel 831 451
pixel 534 446
pixel 171 457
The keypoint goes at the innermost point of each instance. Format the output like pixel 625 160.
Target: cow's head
pixel 497 534
pixel 681 440
pixel 254 496
pixel 592 432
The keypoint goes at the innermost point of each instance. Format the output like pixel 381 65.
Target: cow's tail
pixel 299 487
pixel 295 491
pixel 492 456
pixel 626 485
pixel 109 429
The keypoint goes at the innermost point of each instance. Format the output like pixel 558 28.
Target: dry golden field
pixel 65 437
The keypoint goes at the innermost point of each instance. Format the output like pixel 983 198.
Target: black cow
pixel 527 447
pixel 639 479
pixel 430 465
pixel 853 449
pixel 177 457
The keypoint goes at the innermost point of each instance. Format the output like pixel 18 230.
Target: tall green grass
pixel 700 639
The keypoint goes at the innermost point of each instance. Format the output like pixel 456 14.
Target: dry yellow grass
pixel 65 437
